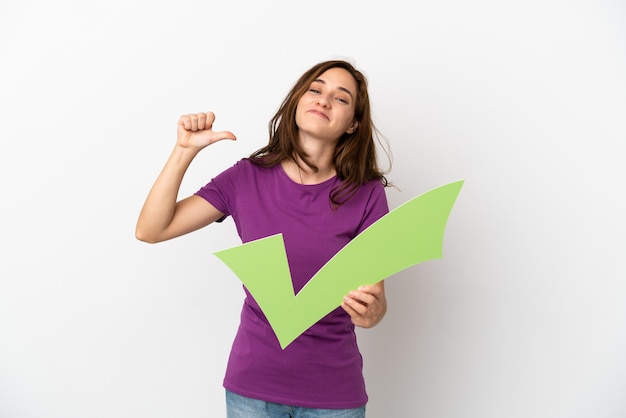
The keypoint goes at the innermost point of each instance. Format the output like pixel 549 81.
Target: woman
pixel 317 182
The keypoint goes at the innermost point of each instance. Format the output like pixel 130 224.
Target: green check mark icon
pixel 408 235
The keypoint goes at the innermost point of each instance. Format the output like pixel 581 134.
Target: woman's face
pixel 326 110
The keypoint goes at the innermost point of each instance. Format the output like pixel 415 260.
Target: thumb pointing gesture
pixel 196 131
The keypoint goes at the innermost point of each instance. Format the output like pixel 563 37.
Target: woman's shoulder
pixel 376 185
pixel 246 170
pixel 250 165
pixel 245 164
pixel 254 162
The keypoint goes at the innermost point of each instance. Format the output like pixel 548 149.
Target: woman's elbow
pixel 145 236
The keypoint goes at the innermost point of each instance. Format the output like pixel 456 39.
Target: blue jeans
pixel 238 406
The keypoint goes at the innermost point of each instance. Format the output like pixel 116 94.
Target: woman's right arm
pixel 162 217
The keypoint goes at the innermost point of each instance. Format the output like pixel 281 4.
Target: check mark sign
pixel 408 235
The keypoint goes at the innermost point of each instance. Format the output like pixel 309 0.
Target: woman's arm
pixel 162 217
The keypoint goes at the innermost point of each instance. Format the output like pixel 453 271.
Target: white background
pixel 525 314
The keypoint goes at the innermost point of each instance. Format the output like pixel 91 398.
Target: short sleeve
pixel 376 207
pixel 220 191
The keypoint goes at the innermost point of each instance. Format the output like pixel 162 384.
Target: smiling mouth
pixel 320 114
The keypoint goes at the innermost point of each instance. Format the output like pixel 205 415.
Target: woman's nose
pixel 323 101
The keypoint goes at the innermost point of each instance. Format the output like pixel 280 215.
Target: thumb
pixel 218 136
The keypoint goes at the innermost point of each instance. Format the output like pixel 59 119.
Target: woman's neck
pixel 320 157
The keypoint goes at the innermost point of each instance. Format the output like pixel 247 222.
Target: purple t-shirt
pixel 322 368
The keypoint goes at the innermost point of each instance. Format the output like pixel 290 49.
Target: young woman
pixel 318 183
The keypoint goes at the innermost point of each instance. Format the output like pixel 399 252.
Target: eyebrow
pixel 319 80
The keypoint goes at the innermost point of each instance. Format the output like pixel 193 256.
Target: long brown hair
pixel 355 155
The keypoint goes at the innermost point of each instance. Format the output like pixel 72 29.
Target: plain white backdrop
pixel 525 314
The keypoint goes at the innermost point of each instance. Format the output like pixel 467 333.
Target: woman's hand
pixel 367 305
pixel 195 131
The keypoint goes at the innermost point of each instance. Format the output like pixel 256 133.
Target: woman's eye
pixel 314 91
pixel 342 100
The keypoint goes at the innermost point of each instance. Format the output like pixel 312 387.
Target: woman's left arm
pixel 367 305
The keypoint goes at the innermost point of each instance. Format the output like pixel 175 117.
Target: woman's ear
pixel 352 127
